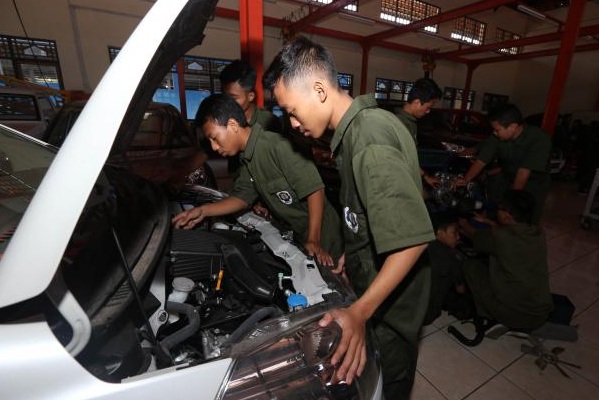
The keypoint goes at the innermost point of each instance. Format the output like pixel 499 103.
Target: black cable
pixel 37 62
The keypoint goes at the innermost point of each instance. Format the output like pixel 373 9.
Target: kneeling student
pixel 513 287
pixel 287 183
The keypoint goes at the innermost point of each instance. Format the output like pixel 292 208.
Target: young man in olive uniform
pixel 288 183
pixel 522 151
pixel 421 99
pixel 511 284
pixel 386 224
pixel 238 80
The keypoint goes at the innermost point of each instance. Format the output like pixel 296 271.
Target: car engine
pixel 447 196
pixel 222 278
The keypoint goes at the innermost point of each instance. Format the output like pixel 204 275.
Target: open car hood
pixel 169 30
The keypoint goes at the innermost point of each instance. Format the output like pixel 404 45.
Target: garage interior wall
pixel 83 30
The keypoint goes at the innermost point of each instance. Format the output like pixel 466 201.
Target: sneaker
pixel 496 331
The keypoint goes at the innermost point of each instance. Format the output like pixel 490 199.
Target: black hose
pixel 249 323
pixel 186 332
pixel 481 326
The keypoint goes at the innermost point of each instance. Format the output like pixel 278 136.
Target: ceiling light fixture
pixel 356 18
pixel 531 11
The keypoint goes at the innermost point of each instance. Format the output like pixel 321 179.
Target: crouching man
pixel 287 183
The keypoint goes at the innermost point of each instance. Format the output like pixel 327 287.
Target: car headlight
pixel 290 358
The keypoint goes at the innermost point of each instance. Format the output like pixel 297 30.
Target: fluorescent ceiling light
pixel 531 11
pixel 356 18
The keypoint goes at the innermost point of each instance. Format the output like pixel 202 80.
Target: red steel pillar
pixel 364 71
pixel 562 66
pixel 251 35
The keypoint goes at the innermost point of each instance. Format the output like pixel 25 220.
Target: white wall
pixel 83 30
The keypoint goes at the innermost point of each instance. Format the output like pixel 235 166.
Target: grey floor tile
pixel 499 388
pixel 453 370
pixel 423 390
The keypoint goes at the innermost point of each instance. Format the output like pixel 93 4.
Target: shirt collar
pixel 409 116
pixel 250 147
pixel 358 104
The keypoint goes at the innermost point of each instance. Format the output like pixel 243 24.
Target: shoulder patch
pixel 285 197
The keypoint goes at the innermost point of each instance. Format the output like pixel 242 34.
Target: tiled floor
pixel 496 369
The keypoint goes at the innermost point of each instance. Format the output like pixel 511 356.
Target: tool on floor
pixel 546 357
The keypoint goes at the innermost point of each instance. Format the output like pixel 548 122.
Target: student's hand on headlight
pixel 351 351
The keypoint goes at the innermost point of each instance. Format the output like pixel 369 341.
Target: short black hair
pixel 505 115
pixel 443 220
pixel 519 204
pixel 425 90
pixel 239 71
pixel 219 108
pixel 298 58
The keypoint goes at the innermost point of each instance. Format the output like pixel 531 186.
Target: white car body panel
pixel 35 352
pixel 57 205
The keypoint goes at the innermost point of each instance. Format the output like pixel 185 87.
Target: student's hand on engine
pixel 322 256
pixel 188 219
pixel 459 183
pixel 351 351
pixel 261 211
pixel 431 180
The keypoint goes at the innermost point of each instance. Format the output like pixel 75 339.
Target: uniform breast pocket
pixel 280 190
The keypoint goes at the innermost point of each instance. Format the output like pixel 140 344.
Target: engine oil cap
pixel 296 301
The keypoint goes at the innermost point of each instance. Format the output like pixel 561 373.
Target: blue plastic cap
pixel 297 301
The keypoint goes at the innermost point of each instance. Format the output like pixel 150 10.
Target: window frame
pixel 453 97
pixel 403 12
pixel 349 88
pixel 469 30
pixel 170 80
pixel 12 50
pixel 351 7
pixel 397 90
pixel 502 35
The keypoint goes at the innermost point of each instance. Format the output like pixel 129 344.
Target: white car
pixel 101 299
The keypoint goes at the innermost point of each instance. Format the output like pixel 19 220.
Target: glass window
pixel 32 60
pixel 353 6
pixel 390 89
pixel 201 80
pixel 454 97
pixel 469 31
pixel 501 35
pixel 346 82
pixel 404 12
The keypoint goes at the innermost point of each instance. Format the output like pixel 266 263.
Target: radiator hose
pixel 249 323
pixel 193 325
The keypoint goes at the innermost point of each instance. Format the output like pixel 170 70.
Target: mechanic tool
pixel 546 357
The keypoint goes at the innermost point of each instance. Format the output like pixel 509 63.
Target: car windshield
pixel 23 164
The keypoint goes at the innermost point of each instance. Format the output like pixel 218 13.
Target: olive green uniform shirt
pixel 383 211
pixel 409 122
pixel 514 289
pixel 381 190
pixel 283 179
pixel 530 150
pixel 266 119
